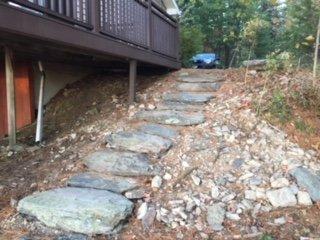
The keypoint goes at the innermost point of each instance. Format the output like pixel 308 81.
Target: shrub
pixel 279 61
pixel 279 107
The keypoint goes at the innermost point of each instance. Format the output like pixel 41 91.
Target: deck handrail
pixel 141 23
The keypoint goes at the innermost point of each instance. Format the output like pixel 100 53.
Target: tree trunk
pixel 315 65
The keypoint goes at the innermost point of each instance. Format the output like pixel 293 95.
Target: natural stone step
pixel 120 163
pixel 139 142
pixel 211 79
pixel 198 87
pixel 80 210
pixel 159 130
pixel 309 181
pixel 103 182
pixel 188 97
pixel 180 106
pixel 178 118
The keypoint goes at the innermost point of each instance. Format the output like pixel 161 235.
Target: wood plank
pixel 24 95
pixel 3 100
pixel 132 81
pixel 11 112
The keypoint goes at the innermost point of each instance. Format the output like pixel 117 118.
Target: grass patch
pixel 302 126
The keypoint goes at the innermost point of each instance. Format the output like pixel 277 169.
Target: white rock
pixel 142 211
pixel 215 192
pixel 156 182
pixel 261 193
pixel 246 176
pixel 167 177
pixel 228 198
pixel 250 194
pixel 151 106
pixel 233 216
pixel 280 183
pixel 215 217
pixel 304 198
pixel 282 197
pixel 280 221
pixel 196 180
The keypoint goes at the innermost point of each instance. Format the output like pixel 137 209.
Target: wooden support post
pixel 132 81
pixel 11 108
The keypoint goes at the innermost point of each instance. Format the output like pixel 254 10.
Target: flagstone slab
pixel 159 130
pixel 188 97
pixel 79 210
pixel 120 163
pixel 180 106
pixel 211 79
pixel 100 181
pixel 198 87
pixel 177 118
pixel 139 142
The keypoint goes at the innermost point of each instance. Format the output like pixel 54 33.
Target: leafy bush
pixel 191 43
pixel 282 61
pixel 279 107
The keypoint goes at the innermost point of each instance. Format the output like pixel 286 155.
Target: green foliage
pixel 300 26
pixel 279 107
pixel 191 43
pixel 281 61
pixel 235 28
pixel 267 237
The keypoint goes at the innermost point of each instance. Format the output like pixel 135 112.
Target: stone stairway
pixel 100 200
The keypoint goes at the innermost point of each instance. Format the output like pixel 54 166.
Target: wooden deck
pixel 132 29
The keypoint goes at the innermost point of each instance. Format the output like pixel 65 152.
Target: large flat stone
pixel 103 182
pixel 80 210
pixel 139 142
pixel 188 97
pixel 168 117
pixel 159 130
pixel 180 106
pixel 120 163
pixel 211 79
pixel 309 181
pixel 198 87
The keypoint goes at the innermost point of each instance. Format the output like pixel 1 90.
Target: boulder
pixel 188 97
pixel 79 210
pixel 103 182
pixel 309 181
pixel 139 142
pixel 177 118
pixel 120 163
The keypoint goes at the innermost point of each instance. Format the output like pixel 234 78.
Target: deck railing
pixel 141 23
